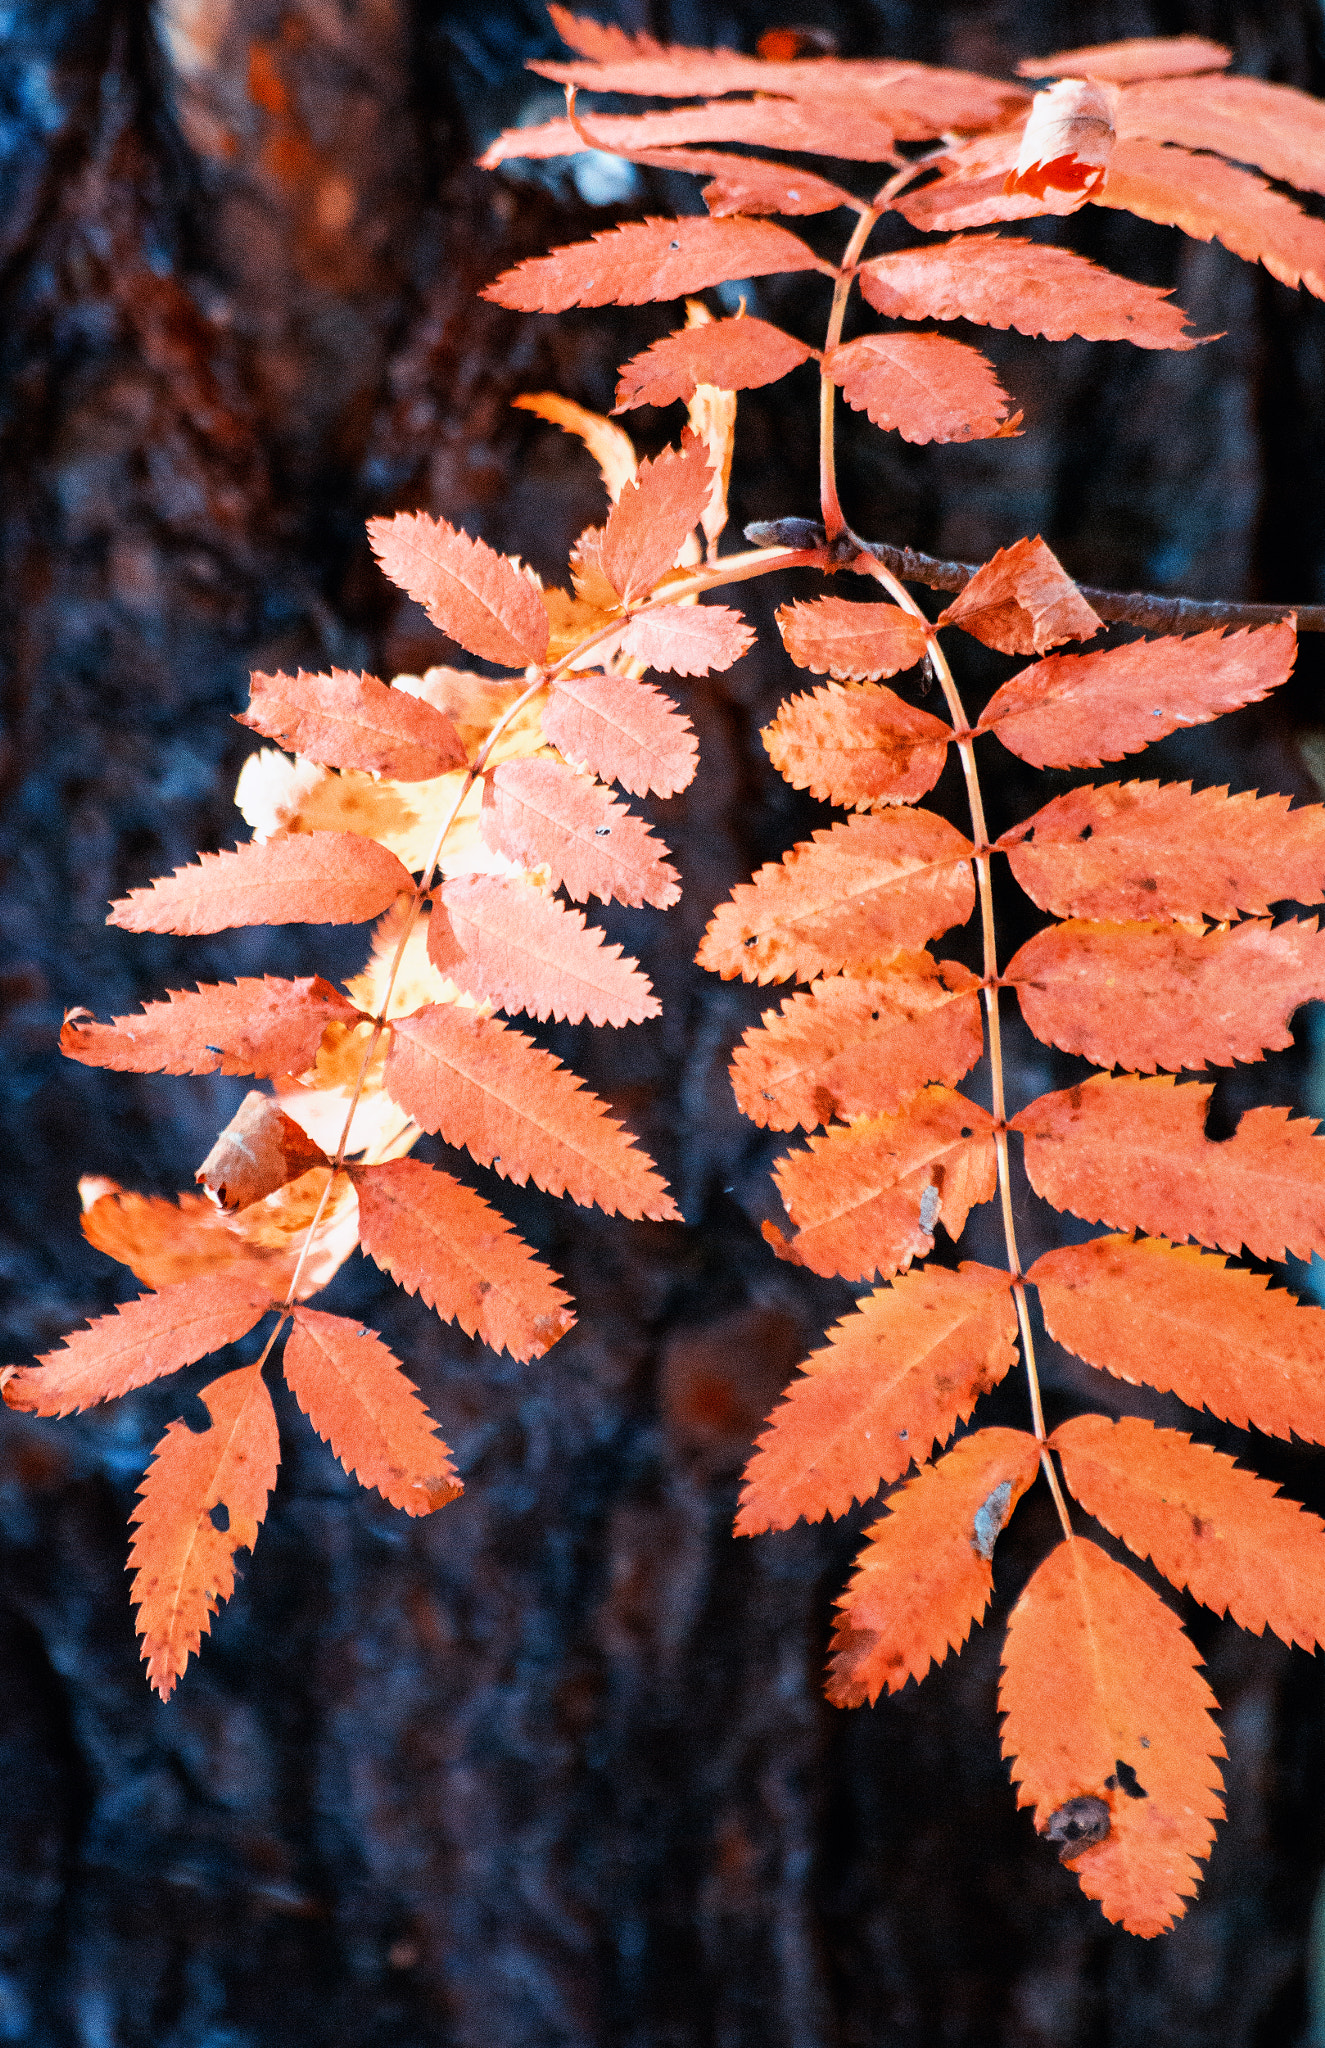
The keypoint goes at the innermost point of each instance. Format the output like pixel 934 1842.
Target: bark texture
pixel 551 1769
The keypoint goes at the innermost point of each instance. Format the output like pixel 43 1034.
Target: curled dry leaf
pixel 523 950
pixel 262 1027
pixel 860 747
pixel 540 812
pixel 476 595
pixel 354 1391
pixel 835 636
pixel 1067 143
pixel 1022 602
pixel 927 387
pixel 259 1150
pixel 623 731
pixel 311 878
pixel 610 446
pixel 735 355
pixel 893 1379
pixel 354 721
pixel 650 259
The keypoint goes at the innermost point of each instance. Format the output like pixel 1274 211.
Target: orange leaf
pixel 1146 850
pixel 1109 1732
pixel 1225 1535
pixel 610 447
pixel 1134 1154
pixel 476 595
pixel 353 721
pixel 744 184
pixel 1005 281
pixel 1143 996
pixel 353 1390
pixel 894 1379
pixel 860 747
pixel 525 951
pixel 926 386
pixel 650 259
pixel 1022 602
pixel 925 1574
pixel 735 355
pixel 827 128
pixel 1172 1317
pixel 139 1342
pixel 972 190
pixel 1209 199
pixel 652 518
pixel 1078 710
pixel 1280 130
pixel 245 1027
pixel 539 811
pixel 310 878
pixel 865 1198
pixel 686 640
pixel 858 643
pixel 441 1241
pixel 183 1563
pixel 1067 143
pixel 516 1108
pixel 849 896
pixel 852 1048
pixel 163 1242
pixel 1137 57
pixel 623 731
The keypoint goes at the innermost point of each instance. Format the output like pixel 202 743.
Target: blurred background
pixel 552 1768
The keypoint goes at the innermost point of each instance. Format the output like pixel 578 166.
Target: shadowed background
pixel 552 1767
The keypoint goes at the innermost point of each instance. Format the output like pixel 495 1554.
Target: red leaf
pixel 539 811
pixel 476 595
pixel 744 184
pixel 1138 57
pixel 183 1563
pixel 653 517
pixel 1067 143
pixel 734 355
pixel 1022 602
pixel 1278 129
pixel 926 386
pixel 1134 1154
pixel 525 951
pixel 441 1241
pixel 861 747
pixel 140 1342
pixel 603 41
pixel 826 128
pixel 623 731
pixel 894 1379
pixel 516 1108
pixel 854 642
pixel 1209 199
pixel 309 878
pixel 650 259
pixel 1159 995
pixel 1078 710
pixel 847 897
pixel 1006 281
pixel 972 191
pixel 925 1574
pixel 686 640
pixel 262 1027
pixel 353 721
pixel 1182 1320
pixel 852 1048
pixel 354 1391
pixel 1108 1722
pixel 866 1197
pixel 1147 850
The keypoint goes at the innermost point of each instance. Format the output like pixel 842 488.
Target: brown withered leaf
pixel 259 1150
pixel 1022 602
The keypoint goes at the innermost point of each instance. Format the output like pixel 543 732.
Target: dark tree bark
pixel 551 1768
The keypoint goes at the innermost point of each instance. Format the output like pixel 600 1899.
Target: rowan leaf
pixel 1134 1154
pixel 735 355
pixel 849 896
pixel 925 1575
pixel 650 259
pixel 354 1391
pixel 245 1027
pixel 610 446
pixel 472 593
pixel 441 1241
pixel 1067 143
pixel 1211 200
pixel 834 636
pixel 1136 58
pixel 893 1379
pixel 140 1341
pixel 927 387
pixel 182 1560
pixel 1109 1732
pixel 1142 996
pixel 1006 281
pixel 1022 602
pixel 1225 1535
pixel 309 878
pixel 748 185
pixel 971 190
pixel 353 721
pixel 524 950
pixel 652 518
pixel 850 1048
pixel 1079 710
pixel 515 1108
pixel 163 1242
pixel 827 128
pixel 686 640
pixel 260 1150
pixel 623 731
pixel 1184 1321
pixel 1142 850
pixel 540 812
pixel 862 746
pixel 866 1197
pixel 1280 130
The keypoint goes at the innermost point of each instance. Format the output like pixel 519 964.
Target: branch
pixel 1118 608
